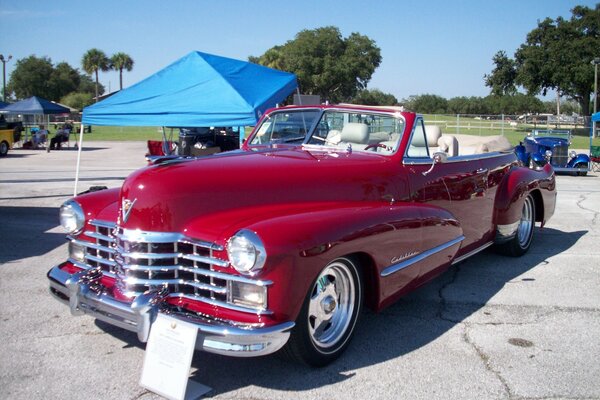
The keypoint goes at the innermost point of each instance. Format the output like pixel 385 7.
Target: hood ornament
pixel 126 207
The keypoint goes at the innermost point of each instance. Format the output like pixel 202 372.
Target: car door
pixel 457 185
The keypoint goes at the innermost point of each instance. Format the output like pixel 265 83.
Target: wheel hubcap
pixel 526 224
pixel 331 305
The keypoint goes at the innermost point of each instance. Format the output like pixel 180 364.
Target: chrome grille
pixel 560 156
pixel 141 261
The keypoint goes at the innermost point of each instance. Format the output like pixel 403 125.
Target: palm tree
pixel 119 62
pixel 94 60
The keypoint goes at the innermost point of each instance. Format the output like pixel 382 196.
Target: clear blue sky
pixel 436 46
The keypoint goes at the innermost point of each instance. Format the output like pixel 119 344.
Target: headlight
pixel 572 154
pixel 246 252
pixel 72 218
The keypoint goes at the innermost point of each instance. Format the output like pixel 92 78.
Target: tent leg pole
pixel 78 160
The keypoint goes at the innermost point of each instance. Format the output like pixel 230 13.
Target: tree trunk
pixel 584 102
pixel 120 78
pixel 96 85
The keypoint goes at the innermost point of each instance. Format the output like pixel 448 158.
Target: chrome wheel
pixel 331 305
pixel 329 314
pixel 519 244
pixel 526 223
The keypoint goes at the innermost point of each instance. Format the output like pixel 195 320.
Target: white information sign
pixel 168 358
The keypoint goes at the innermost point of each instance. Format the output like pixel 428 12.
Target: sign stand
pixel 168 359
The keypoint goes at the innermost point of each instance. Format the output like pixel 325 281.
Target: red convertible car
pixel 277 246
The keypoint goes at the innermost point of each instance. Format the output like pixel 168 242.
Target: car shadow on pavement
pixel 24 232
pixel 411 323
pixel 414 321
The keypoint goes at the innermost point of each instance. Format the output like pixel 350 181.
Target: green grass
pixel 514 133
pixel 448 123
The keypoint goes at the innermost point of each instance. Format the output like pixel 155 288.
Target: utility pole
pixel 595 63
pixel 4 61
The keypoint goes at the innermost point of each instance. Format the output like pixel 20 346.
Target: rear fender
pixel 515 187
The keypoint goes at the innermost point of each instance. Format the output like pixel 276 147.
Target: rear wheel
pixel 3 148
pixel 328 316
pixel 520 243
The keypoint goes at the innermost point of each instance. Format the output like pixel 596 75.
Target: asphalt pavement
pixel 492 327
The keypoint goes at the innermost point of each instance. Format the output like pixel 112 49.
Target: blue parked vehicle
pixel 539 144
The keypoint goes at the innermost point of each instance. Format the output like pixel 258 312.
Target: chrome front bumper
pixel 84 295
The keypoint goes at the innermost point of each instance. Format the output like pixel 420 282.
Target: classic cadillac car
pixel 277 246
pixel 532 151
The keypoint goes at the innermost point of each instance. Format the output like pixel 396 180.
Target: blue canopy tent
pixel 35 106
pixel 198 90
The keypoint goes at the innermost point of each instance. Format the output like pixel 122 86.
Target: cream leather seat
pixel 354 133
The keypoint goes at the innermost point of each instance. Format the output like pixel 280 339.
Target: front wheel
pixel 581 165
pixel 520 243
pixel 328 316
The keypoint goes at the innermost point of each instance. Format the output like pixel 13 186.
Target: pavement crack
pixel 443 302
pixel 485 359
pixel 582 198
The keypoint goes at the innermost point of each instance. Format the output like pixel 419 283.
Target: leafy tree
pixel 78 100
pixel 87 85
pixel 556 55
pixel 64 79
pixel 325 63
pixel 31 77
pixel 427 104
pixel 93 61
pixel 374 97
pixel 502 78
pixel 119 62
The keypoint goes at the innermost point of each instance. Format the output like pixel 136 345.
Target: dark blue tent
pixel 35 106
pixel 197 90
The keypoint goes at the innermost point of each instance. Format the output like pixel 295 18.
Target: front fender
pixel 579 159
pixel 300 240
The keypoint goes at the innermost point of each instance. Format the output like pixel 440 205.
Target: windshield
pixel 285 127
pixel 359 131
pixel 557 133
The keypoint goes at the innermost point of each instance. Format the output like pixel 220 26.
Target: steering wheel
pixel 378 145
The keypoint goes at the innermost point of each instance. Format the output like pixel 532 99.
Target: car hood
pixel 167 197
pixel 551 142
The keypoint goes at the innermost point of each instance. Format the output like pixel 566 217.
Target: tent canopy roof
pixel 197 90
pixel 596 116
pixel 35 105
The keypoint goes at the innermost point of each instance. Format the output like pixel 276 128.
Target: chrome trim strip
pixel 471 253
pixel 99 236
pixel 205 260
pixel 419 257
pixel 197 271
pixel 158 256
pixel 103 224
pixel 134 235
pixel 94 246
pixel 100 260
pixel 83 266
pixel 161 282
pixel 471 157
